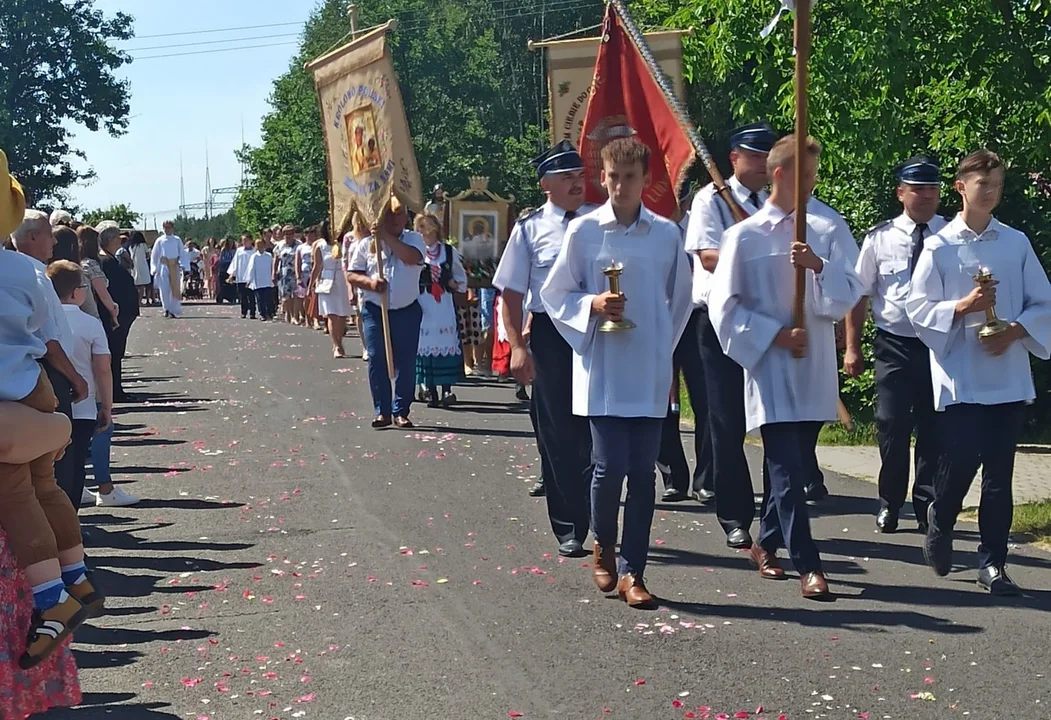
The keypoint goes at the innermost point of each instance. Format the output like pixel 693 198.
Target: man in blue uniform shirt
pixel 563 440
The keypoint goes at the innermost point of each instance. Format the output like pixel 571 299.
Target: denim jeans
pixel 405 340
pixel 100 449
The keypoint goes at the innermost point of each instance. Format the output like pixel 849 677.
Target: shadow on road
pixel 99 710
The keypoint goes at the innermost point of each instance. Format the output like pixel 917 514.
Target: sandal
pixel 403 422
pixel 381 421
pixel 338 353
pixel 449 400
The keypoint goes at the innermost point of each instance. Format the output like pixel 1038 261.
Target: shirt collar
pixel 607 219
pixel 907 225
pixel 959 227
pixel 742 193
pixel 770 215
pixel 37 265
pixel 555 211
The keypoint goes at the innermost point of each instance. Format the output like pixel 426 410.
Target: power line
pixel 214 42
pixel 217 50
pixel 215 30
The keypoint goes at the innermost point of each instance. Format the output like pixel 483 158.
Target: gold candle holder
pixel 993 325
pixel 613 273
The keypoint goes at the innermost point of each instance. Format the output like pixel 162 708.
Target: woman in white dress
pixel 140 265
pixel 359 233
pixel 439 357
pixel 330 283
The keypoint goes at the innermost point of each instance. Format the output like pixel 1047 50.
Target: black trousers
pixel 264 299
pixel 80 449
pixel 247 300
pixel 971 436
pixel 789 455
pixel 904 403
pixel 672 458
pixel 118 348
pixel 724 380
pixel 65 469
pixel 563 439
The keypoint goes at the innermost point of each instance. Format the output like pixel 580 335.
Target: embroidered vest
pixel 445 273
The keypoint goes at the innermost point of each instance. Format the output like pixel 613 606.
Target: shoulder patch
pixel 878 226
pixel 528 213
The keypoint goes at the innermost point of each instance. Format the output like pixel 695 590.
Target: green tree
pixel 57 66
pixel 120 214
pixel 474 96
pixel 888 79
pixel 200 229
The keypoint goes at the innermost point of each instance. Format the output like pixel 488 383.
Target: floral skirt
pixel 52 683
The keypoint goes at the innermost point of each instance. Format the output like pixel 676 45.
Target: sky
pixel 182 105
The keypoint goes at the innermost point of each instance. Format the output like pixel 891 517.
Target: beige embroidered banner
pixel 366 133
pixel 571 67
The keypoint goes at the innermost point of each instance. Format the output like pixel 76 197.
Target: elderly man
pixel 61 218
pixel 125 295
pixel 33 239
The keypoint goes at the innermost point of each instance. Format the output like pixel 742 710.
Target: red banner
pixel 626 101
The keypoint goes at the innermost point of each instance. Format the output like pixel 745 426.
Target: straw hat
pixel 12 200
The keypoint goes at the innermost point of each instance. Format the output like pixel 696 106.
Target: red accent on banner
pixel 627 101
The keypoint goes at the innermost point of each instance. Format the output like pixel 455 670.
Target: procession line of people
pixel 595 410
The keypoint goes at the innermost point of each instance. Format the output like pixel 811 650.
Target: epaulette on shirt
pixel 529 213
pixel 878 226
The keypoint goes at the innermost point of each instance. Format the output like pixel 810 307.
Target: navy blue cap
pixel 919 170
pixel 757 137
pixel 561 158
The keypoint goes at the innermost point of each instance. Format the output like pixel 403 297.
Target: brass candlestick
pixel 612 274
pixel 993 325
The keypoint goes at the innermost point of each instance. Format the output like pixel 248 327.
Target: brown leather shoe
pixel 769 567
pixel 815 587
pixel 633 591
pixel 604 568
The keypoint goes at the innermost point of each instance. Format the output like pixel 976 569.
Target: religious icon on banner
pixel 478 242
pixel 361 139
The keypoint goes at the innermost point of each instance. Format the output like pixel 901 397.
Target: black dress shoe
pixel 887 521
pixel 703 496
pixel 572 549
pixel 537 489
pixel 738 539
pixel 672 495
pixel 937 546
pixel 921 519
pixel 816 493
pixel 996 582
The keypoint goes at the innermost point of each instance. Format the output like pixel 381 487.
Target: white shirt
pixel 89 339
pixel 751 300
pixel 260 271
pixel 24 312
pixel 239 266
pixel 169 247
pixel 55 327
pixel 531 251
pixel 961 370
pixel 884 266
pixel 627 373
pixel 709 219
pixel 403 281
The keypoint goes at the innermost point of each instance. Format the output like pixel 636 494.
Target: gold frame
pixel 478 199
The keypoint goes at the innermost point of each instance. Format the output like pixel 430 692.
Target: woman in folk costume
pixel 439 359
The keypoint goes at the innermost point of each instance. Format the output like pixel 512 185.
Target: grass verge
pixel 1032 521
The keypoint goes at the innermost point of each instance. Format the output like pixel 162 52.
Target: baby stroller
pixel 194 289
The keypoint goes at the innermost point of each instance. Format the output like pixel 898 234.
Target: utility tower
pixel 207 184
pixel 182 188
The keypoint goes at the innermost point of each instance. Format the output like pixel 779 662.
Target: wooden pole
pixel 352 13
pixel 802 20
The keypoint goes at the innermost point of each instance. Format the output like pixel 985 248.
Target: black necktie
pixel 917 243
pixel 754 199
pixel 570 214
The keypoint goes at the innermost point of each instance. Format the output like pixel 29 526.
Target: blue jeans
pixel 789 456
pixel 405 340
pixel 100 449
pixel 624 447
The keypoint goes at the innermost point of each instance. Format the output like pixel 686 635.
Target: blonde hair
pixel 425 218
pixel 783 153
pixel 66 276
pixel 260 245
pixel 358 224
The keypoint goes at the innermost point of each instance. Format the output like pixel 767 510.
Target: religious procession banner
pixel 366 134
pixel 571 67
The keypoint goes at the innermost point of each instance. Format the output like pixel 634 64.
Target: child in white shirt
pixel 260 276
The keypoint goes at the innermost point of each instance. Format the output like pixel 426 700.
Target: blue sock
pixel 74 574
pixel 48 594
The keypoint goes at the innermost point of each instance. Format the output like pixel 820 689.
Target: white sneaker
pixel 87 497
pixel 365 355
pixel 117 498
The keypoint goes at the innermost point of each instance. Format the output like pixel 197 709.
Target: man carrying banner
pixel 563 440
pixel 724 378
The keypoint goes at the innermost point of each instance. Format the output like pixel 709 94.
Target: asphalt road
pixel 288 561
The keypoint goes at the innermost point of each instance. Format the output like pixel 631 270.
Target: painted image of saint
pixel 363 144
pixel 478 242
